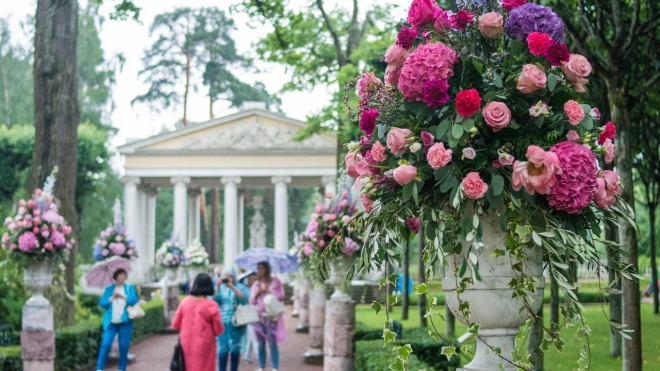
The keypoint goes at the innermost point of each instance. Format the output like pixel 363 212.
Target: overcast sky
pixel 131 39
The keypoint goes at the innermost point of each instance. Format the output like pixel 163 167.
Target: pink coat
pixel 199 321
pixel 263 328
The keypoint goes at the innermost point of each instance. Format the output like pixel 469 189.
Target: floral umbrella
pixel 100 276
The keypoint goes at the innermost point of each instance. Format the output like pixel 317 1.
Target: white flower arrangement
pixel 196 255
pixel 169 254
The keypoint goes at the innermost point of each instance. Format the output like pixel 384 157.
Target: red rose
pixel 608 133
pixel 421 13
pixel 468 102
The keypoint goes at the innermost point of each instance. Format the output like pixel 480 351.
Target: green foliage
pixel 16 101
pixel 10 358
pixel 12 293
pixel 152 322
pixel 371 356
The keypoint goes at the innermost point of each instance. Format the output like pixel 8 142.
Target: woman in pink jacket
pixel 199 320
pixel 267 331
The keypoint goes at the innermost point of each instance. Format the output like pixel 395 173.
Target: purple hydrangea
pixel 531 17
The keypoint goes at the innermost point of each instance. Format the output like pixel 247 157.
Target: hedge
pixel 371 356
pixel 77 346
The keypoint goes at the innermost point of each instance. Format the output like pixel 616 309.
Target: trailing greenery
pixel 371 356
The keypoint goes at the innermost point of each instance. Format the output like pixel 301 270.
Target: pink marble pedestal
pixel 303 307
pixel 317 302
pixel 338 341
pixel 38 337
pixel 170 303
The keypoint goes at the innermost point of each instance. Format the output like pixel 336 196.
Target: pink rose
pixel 48 246
pixel 421 13
pixel 469 153
pixel 350 160
pixel 473 187
pixel 531 79
pixel 396 140
pixel 368 84
pixel 497 115
pixel 608 187
pixel 609 151
pixel 427 139
pixel 36 212
pixel 438 156
pixel 441 20
pixel 30 204
pixel 574 112
pixel 405 174
pixel 367 203
pixel 490 24
pixel 378 152
pixel 576 70
pixel 573 136
pixel 392 74
pixel 538 174
pixel 396 55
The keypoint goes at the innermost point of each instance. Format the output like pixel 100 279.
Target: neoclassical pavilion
pixel 250 149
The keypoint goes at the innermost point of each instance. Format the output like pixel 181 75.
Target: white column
pixel 241 223
pixel 180 208
pixel 230 218
pixel 193 215
pixel 131 206
pixel 141 237
pixel 330 184
pixel 150 244
pixel 281 212
pixel 198 217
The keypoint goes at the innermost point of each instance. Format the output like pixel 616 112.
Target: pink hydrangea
pixel 396 55
pixel 349 247
pixel 308 248
pixel 428 62
pixel 576 186
pixel 608 187
pixel 392 74
pixel 58 239
pixel 117 248
pixel 378 152
pixel 537 175
pixel 438 156
pixel 367 203
pixel 574 112
pixel 473 186
pixel 27 242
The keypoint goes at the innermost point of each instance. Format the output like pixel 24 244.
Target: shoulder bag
pixel 135 311
pixel 245 315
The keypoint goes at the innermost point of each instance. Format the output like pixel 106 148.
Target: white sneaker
pixel 260 369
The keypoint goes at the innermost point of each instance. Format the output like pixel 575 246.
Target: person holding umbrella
pixel 116 322
pixel 269 330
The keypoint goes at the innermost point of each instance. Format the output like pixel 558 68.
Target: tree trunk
pixel 616 340
pixel 388 287
pixel 56 118
pixel 215 229
pixel 211 115
pixel 185 94
pixel 405 295
pixel 632 350
pixel 535 339
pixel 203 216
pixel 450 323
pixel 422 278
pixel 654 267
pixel 554 300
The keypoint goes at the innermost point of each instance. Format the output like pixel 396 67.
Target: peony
pixel 491 24
pixel 438 156
pixel 378 152
pixel 435 93
pixel 608 133
pixel 531 79
pixel 392 74
pixel 368 84
pixel 58 239
pixel 414 224
pixel 406 37
pixel 396 140
pixel 349 247
pixel 512 4
pixel 396 55
pixel 367 203
pixel 405 174
pixel 609 151
pixel 537 42
pixel 556 53
pixel 441 20
pixel 428 62
pixel 608 187
pixel 574 112
pixel 461 19
pixel 537 175
pixel 497 115
pixel 427 139
pixel 468 102
pixel 368 121
pixel 469 153
pixel 27 242
pixel 576 70
pixel 576 186
pixel 473 187
pixel 573 136
pixel 421 13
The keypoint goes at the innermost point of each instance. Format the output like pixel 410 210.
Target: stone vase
pixel 338 269
pixel 194 270
pixel 171 274
pixel 302 288
pixel 38 276
pixel 491 304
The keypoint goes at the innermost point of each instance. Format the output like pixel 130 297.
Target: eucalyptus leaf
pixel 552 82
pixel 442 130
pixel 497 184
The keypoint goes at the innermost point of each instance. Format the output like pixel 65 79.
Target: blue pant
pixel 233 358
pixel 274 352
pixel 125 331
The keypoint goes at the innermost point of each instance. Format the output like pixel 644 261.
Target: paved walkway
pixel 153 354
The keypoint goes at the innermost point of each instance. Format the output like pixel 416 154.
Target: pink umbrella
pixel 100 276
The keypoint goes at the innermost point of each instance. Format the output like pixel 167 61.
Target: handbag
pixel 245 315
pixel 274 307
pixel 135 311
pixel 178 363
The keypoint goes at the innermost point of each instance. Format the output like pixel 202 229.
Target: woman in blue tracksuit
pixel 230 294
pixel 116 298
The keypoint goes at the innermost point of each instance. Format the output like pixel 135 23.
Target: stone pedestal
pixel 295 312
pixel 38 335
pixel 314 354
pixel 303 306
pixel 170 302
pixel 338 344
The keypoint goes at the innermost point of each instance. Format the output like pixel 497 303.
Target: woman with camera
pixel 230 294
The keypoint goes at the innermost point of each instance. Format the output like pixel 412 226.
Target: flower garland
pixel 170 255
pixel 196 255
pixel 114 242
pixel 38 231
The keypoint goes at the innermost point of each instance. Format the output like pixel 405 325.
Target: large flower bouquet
pixel 38 231
pixel 196 255
pixel 170 254
pixel 481 115
pixel 113 242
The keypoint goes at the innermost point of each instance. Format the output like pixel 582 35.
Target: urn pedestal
pixel 314 354
pixel 302 287
pixel 38 335
pixel 491 302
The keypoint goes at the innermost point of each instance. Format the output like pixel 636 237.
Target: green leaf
pixel 415 190
pixel 420 289
pixel 388 337
pixel 538 121
pixel 407 191
pixel 497 184
pixel 491 95
pixel 468 124
pixel 537 239
pixel 442 130
pixel 497 79
pixel 461 272
pixel 478 65
pixel 552 82
pixel 376 307
pixel 457 131
pixel 404 351
pixel 587 123
pixel 449 351
pixel 449 183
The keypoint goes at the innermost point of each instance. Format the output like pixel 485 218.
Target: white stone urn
pixel 172 274
pixel 194 270
pixel 38 276
pixel 338 268
pixel 491 302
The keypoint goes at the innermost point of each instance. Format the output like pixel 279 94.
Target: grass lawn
pixel 555 360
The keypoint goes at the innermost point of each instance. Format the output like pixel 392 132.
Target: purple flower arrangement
pixel 114 242
pixel 170 254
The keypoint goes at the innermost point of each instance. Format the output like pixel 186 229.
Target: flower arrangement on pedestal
pixel 480 133
pixel 114 242
pixel 170 254
pixel 38 232
pixel 196 256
